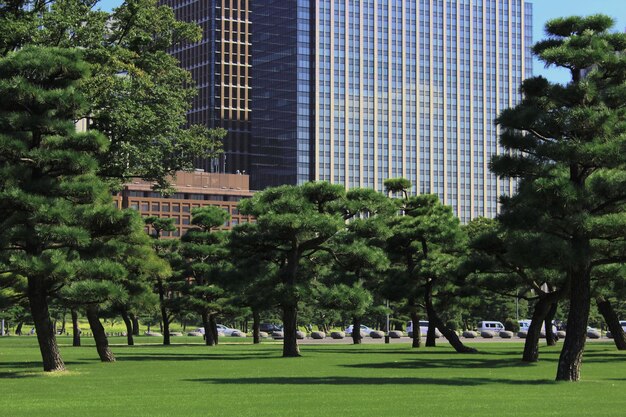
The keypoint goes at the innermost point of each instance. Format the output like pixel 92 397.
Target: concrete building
pixel 192 189
pixel 355 92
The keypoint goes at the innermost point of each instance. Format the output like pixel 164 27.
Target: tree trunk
pixel 213 325
pixel 256 326
pixel 550 336
pixel 450 335
pixel 290 320
pixel 99 335
pixel 129 328
pixel 208 331
pixel 606 309
pixel 135 321
pixel 431 336
pixel 38 300
pixel 574 344
pixel 416 339
pixel 531 344
pixel 18 329
pixel 63 323
pixel 356 330
pixel 164 319
pixel 75 329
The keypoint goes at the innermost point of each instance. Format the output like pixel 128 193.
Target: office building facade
pixel 355 92
pixel 191 190
pixel 220 66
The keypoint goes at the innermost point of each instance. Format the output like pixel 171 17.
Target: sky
pixel 543 10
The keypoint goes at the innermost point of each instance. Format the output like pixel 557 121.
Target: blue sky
pixel 543 10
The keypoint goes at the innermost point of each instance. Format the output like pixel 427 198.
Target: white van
pixel 525 324
pixel 492 326
pixel 423 329
pixel 623 324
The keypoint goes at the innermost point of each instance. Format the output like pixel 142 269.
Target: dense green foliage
pixel 566 146
pixel 56 212
pixel 138 95
pixel 204 267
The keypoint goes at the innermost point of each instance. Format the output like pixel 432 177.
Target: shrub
pixel 453 325
pixel 511 325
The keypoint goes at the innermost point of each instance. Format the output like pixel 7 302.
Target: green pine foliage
pixel 566 147
pixel 205 266
pixel 138 95
pixel 53 206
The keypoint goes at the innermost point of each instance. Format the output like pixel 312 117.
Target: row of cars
pixel 228 331
pixel 485 325
pixel 497 327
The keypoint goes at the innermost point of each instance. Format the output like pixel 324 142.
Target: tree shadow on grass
pixel 180 357
pixel 353 349
pixel 19 370
pixel 346 380
pixel 18 375
pixel 467 362
pixel 358 350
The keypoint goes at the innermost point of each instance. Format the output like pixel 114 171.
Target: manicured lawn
pixel 330 380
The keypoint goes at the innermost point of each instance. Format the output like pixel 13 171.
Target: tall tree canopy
pixel 138 95
pixel 567 147
pixel 293 224
pixel 52 204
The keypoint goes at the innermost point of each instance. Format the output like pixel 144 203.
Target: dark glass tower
pixel 281 92
pixel 220 66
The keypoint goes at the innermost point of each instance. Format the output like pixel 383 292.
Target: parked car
pixel 270 327
pixel 491 326
pixel 525 324
pixel 623 324
pixel 423 327
pixel 364 330
pixel 227 331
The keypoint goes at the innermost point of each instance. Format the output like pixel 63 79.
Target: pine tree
pixel 516 263
pixel 52 204
pixel 293 224
pixel 205 266
pixel 566 146
pixel 167 250
pixel 138 94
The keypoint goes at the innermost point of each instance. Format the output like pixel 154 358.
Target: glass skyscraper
pixel 220 67
pixel 355 92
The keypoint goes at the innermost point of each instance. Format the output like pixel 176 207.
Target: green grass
pixel 238 379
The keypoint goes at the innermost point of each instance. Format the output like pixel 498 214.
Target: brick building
pixel 192 189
